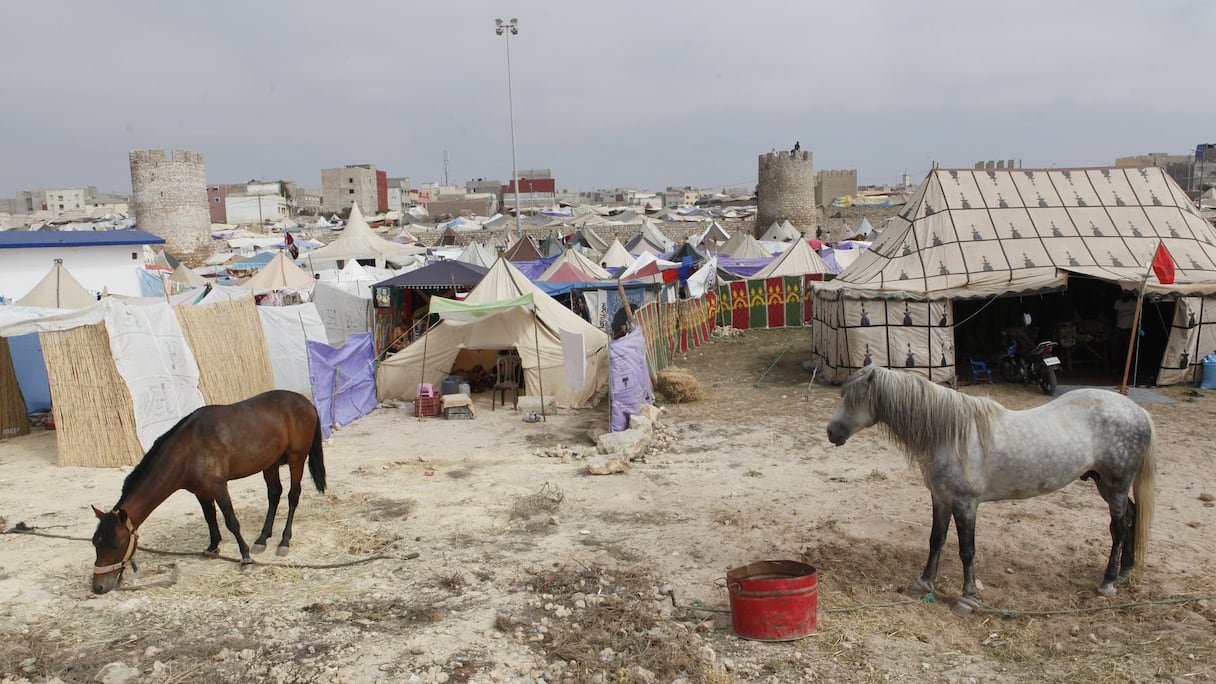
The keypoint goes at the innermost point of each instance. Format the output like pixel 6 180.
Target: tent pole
pixel 421 379
pixel 1131 343
pixel 539 375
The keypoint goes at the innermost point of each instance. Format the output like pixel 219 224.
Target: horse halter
pixel 126 557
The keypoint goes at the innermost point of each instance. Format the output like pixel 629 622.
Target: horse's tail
pixel 316 459
pixel 1144 489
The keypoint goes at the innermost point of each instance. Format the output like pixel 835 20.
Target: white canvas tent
pixel 616 256
pixel 573 258
pixel 985 234
pixel 430 358
pixel 58 290
pixel 742 245
pixel 780 232
pixel 280 273
pixel 477 254
pixel 358 241
pixel 798 260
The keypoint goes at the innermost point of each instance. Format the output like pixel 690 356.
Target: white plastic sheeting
pixel 152 356
pixel 345 309
pixel 282 326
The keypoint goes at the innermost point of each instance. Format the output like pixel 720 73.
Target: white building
pixel 255 208
pixel 100 260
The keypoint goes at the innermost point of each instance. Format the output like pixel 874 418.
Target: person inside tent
pixel 399 337
pixel 1021 335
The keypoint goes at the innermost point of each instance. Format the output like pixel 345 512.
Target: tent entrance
pixel 1081 319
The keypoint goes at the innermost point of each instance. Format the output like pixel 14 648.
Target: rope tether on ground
pixel 23 529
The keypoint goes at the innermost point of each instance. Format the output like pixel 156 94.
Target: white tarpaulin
pixel 286 329
pixel 152 356
pixel 345 309
pixel 574 348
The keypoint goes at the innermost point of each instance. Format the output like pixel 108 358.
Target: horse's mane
pixel 924 417
pixel 149 461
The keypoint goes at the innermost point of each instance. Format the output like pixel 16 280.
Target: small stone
pixel 117 673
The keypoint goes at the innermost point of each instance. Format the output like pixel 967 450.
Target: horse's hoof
pixel 964 606
pixel 282 550
pixel 920 587
pixel 1106 589
pixel 246 563
pixel 257 547
pixel 211 553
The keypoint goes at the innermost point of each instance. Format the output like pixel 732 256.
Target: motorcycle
pixel 1037 366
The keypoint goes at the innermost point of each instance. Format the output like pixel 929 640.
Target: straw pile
pixel 229 348
pixel 94 416
pixel 678 385
pixel 13 418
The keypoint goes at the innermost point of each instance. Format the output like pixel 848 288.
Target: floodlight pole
pixel 507 29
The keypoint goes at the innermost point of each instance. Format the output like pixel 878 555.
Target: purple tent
pixel 628 378
pixel 343 380
pixel 743 267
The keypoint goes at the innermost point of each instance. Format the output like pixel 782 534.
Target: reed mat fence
pixel 229 348
pixel 14 418
pixel 94 416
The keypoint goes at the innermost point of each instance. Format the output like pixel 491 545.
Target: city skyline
pixel 643 96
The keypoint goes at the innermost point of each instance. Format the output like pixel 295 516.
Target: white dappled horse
pixel 972 449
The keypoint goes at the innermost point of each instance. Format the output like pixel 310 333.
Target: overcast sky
pixel 624 93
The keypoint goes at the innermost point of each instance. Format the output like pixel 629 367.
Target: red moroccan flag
pixel 1163 265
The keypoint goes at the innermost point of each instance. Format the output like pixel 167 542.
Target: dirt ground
pixel 488 554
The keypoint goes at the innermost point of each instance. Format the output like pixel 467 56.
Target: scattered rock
pixel 608 465
pixel 629 444
pixel 117 673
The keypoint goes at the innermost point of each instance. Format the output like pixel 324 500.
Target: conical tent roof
pixel 58 290
pixel 536 338
pixel 573 260
pixel 865 229
pixel 616 256
pixel 978 233
pixel 280 274
pixel 184 275
pixel 588 237
pixel 652 234
pixel 744 247
pixel 523 250
pixel 478 254
pixel 798 260
pixel 714 234
pixel 358 241
pixel 780 232
pixel 551 247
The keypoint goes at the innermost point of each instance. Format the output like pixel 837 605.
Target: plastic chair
pixel 506 374
pixel 980 371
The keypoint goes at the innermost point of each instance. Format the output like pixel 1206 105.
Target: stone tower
pixel 786 190
pixel 169 197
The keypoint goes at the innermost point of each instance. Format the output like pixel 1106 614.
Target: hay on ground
pixel 679 386
pixel 94 415
pixel 229 348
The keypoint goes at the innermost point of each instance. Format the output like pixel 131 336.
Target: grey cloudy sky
pixel 623 93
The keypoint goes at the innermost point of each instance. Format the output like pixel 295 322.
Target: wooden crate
pixel 426 407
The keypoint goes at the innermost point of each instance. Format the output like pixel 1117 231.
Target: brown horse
pixel 200 454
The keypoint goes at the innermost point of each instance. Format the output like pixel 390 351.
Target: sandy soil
pixel 527 567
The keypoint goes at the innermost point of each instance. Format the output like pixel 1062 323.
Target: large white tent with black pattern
pixel 982 245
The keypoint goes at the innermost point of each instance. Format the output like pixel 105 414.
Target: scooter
pixel 1037 366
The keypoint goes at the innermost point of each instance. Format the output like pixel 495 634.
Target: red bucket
pixel 773 600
